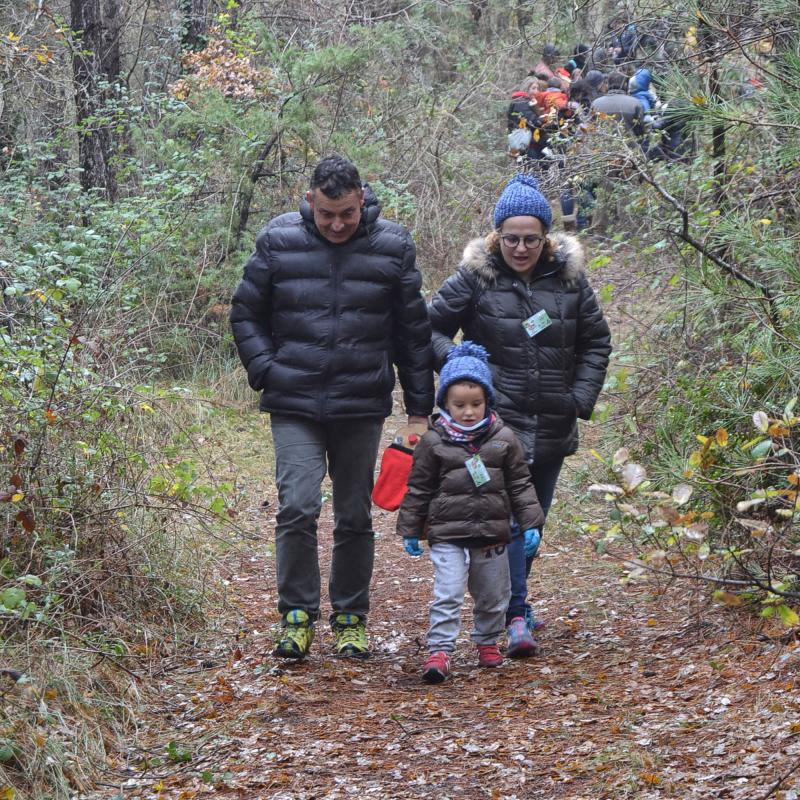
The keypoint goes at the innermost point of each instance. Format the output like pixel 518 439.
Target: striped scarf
pixel 458 433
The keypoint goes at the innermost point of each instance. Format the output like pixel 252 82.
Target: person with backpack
pixel 615 102
pixel 640 86
pixel 523 294
pixel 526 136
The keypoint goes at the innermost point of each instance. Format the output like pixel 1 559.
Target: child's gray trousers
pixel 484 570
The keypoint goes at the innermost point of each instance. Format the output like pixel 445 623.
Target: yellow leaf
pixel 650 778
pixel 702 439
pixel 17 496
pixel 699 100
pixel 776 429
pixel 651 623
pixel 148 408
pixel 722 437
pixel 728 598
pixel 597 456
pixel 765 221
pixel 788 616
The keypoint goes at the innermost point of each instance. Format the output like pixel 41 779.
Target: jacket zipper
pixel 335 281
pixel 535 417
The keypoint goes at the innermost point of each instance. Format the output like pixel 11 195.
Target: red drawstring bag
pixel 392 483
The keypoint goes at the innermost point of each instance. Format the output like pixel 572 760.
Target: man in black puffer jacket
pixel 330 301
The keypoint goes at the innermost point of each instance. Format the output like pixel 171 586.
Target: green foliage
pixel 715 498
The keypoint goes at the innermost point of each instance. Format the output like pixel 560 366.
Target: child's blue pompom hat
pixel 523 198
pixel 466 362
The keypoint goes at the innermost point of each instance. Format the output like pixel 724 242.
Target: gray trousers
pixel 485 572
pixel 304 451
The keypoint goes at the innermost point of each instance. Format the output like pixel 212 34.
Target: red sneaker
pixel 489 655
pixel 437 667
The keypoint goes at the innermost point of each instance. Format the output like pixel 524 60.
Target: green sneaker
pixel 296 635
pixel 351 636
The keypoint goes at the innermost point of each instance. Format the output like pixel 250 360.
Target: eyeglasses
pixel 531 241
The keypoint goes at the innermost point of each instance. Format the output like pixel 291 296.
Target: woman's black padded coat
pixel 545 382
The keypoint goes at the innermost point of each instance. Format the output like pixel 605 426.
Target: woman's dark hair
pixel 335 176
pixel 581 91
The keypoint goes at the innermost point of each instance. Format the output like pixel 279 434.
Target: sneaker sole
pixel 434 676
pixel 291 654
pixel 353 654
pixel 523 652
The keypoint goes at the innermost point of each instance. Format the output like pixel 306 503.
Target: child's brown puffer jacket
pixel 444 503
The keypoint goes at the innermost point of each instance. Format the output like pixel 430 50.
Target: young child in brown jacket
pixel 467 480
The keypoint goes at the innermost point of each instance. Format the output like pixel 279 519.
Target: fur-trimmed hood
pixel 569 254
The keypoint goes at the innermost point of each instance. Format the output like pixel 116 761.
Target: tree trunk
pixel 195 25
pixel 710 51
pixel 96 71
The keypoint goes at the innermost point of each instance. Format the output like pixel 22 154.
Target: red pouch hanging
pixel 392 483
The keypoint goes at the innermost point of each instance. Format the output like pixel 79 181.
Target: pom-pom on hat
pixel 522 198
pixel 466 362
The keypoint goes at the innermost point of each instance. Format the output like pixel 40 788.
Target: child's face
pixel 466 403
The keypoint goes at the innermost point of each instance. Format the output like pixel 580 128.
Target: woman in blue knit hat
pixel 468 474
pixel 523 294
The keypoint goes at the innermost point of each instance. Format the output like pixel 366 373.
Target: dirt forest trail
pixel 635 695
pixel 629 699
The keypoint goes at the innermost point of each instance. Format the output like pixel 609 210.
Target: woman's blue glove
pixel 411 546
pixel 532 539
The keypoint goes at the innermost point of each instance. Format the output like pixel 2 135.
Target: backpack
pixel 518 141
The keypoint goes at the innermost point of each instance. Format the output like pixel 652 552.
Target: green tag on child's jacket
pixel 477 470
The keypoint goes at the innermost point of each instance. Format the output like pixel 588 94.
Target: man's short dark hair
pixel 335 176
pixel 617 81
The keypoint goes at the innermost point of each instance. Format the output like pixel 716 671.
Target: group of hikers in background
pixel 562 100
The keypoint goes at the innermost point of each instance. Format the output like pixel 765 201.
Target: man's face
pixel 337 220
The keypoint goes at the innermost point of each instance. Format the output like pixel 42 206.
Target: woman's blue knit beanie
pixel 522 198
pixel 466 362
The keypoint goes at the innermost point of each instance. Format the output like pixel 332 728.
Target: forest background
pixel 142 145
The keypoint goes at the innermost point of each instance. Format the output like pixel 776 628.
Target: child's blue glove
pixel 532 539
pixel 411 546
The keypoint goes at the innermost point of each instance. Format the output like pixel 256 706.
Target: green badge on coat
pixel 537 323
pixel 477 470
